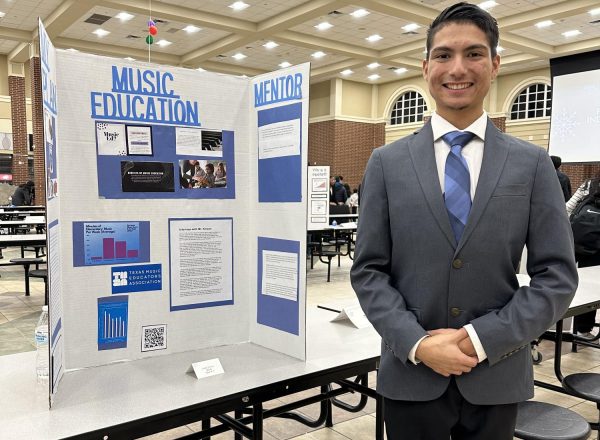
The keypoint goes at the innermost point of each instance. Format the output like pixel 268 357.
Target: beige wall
pixel 319 99
pixel 535 132
pixel 356 99
pixel 3 76
pixel 507 84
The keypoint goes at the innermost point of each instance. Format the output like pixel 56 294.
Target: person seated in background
pixel 584 323
pixel 220 174
pixel 352 201
pixel 207 180
pixel 23 195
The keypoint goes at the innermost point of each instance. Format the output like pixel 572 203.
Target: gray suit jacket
pixel 411 276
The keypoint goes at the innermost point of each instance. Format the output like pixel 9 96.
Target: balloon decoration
pixel 152 30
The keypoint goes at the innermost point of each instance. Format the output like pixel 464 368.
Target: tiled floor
pixel 18 316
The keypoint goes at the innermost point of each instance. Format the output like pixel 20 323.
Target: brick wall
pixel 16 90
pixel 345 146
pixel 580 172
pixel 37 115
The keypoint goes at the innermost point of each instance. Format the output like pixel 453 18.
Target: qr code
pixel 154 337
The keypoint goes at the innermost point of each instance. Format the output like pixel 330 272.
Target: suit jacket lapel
pixel 494 156
pixel 423 158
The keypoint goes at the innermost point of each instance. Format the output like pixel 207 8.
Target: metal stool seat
pixel 26 262
pixel 41 273
pixel 544 421
pixel 584 385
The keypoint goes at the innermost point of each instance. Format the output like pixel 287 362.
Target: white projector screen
pixel 575 122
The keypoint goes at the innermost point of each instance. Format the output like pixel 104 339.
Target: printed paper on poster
pixel 279 139
pixel 280 274
pixel 201 262
pixel 111 139
pixel 139 140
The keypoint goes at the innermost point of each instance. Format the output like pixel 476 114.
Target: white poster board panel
pixel 222 106
pixel 48 70
pixel 278 180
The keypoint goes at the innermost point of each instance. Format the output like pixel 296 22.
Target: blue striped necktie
pixel 457 182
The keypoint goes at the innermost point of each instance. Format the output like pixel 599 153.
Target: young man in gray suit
pixel 445 214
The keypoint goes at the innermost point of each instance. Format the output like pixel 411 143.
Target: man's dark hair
pixel 337 178
pixel 466 13
pixel 557 161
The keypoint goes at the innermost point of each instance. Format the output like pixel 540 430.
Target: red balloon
pixel 153 30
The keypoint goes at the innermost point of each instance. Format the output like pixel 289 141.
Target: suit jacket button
pixel 457 264
pixel 455 311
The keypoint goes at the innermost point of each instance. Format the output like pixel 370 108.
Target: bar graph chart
pixel 112 322
pixel 112 243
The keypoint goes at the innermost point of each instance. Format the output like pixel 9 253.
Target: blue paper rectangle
pixel 104 242
pixel 142 278
pixel 280 178
pixel 164 140
pixel 112 322
pixel 280 313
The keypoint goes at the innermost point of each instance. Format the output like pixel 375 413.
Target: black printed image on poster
pixel 147 176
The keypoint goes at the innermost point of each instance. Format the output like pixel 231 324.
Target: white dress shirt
pixel 473 154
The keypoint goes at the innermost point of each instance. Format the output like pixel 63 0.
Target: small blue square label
pixel 139 278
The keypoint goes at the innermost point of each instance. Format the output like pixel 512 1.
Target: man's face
pixel 459 72
pixel 209 170
pixel 331 181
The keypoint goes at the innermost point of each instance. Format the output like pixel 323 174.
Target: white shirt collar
pixel 440 126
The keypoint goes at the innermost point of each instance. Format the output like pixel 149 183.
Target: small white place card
pixel 211 367
pixel 355 315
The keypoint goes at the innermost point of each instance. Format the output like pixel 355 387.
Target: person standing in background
pixel 445 215
pixel 584 323
pixel 565 182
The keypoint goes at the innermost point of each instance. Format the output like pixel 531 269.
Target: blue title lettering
pixel 144 96
pixel 283 88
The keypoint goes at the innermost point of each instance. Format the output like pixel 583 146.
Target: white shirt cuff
pixel 412 353
pixel 481 356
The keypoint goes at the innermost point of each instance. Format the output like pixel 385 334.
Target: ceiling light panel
pixel 261 58
pixel 257 12
pixel 183 42
pixel 359 13
pixel 553 35
pixel 239 6
pixel 352 31
pixel 124 16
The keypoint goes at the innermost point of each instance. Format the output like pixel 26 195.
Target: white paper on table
pixel 280 274
pixel 279 139
pixel 208 368
pixel 355 315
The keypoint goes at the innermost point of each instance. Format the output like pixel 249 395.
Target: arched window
pixel 409 107
pixel 535 101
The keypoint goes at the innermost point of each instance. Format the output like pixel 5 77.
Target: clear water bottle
pixel 41 343
pixel 334 223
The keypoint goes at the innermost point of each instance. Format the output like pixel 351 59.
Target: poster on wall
pixel 201 262
pixel 159 129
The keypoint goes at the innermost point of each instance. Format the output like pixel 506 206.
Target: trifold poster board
pixel 318 197
pixel 179 214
